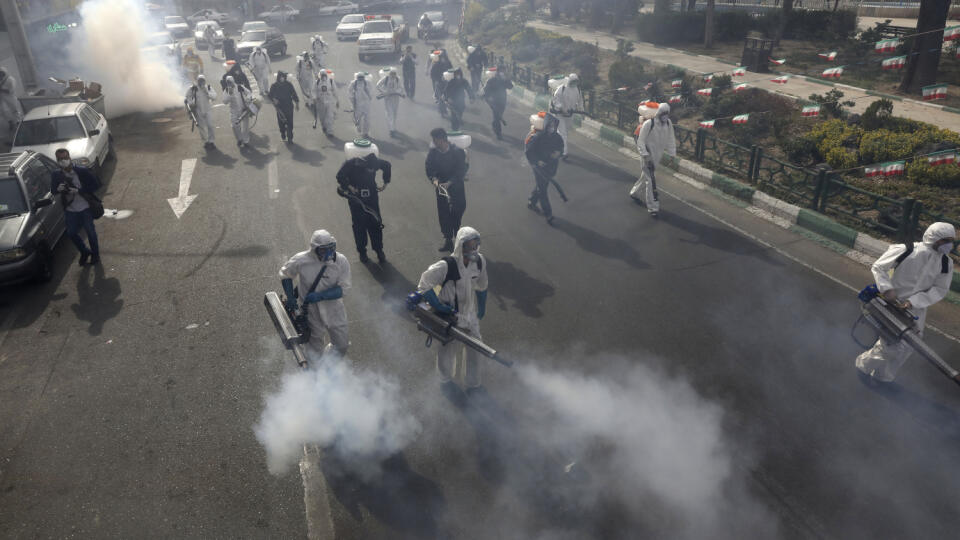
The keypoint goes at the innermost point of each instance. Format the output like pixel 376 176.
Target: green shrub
pixel 671 27
pixel 732 25
pixel 943 176
pixel 841 158
pixel 474 15
pixel 626 72
pixel 877 114
pixel 883 145
pixel 801 150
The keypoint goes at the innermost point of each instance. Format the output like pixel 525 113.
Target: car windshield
pixel 255 25
pixel 174 20
pixel 254 36
pixel 49 130
pixel 435 15
pixel 159 39
pixel 204 25
pixel 12 202
pixel 352 19
pixel 377 27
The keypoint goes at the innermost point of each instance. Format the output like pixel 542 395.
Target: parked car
pixel 201 28
pixel 162 45
pixel 402 30
pixel 368 6
pixel 377 37
pixel 253 25
pixel 284 13
pixel 208 15
pixel 177 26
pixel 31 218
pixel 439 25
pixel 270 39
pixel 350 26
pixel 339 7
pixel 75 126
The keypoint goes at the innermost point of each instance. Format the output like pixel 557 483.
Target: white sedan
pixel 349 26
pixel 339 7
pixel 209 15
pixel 74 126
pixel 282 13
pixel 199 35
pixel 177 26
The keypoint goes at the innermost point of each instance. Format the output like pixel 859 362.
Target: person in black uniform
pixel 455 93
pixel 543 150
pixel 229 48
pixel 476 61
pixel 284 98
pixel 357 181
pixel 446 167
pixel 236 72
pixel 409 63
pixel 436 75
pixel 495 94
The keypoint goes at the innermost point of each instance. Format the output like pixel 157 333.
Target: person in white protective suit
pixel 916 276
pixel 260 66
pixel 326 102
pixel 360 97
pixel 239 99
pixel 323 276
pixel 461 280
pixel 656 137
pixel 9 106
pixel 306 77
pixel 567 100
pixel 391 88
pixel 199 99
pixel 318 47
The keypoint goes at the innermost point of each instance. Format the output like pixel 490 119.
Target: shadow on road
pixel 598 169
pixel 942 419
pixel 305 155
pixel 396 286
pixel 97 302
pixel 400 498
pixel 596 243
pixel 486 148
pixel 215 158
pixel 525 291
pixel 256 158
pixel 390 149
pixel 720 238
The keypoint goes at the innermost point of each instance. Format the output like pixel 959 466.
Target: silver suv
pixel 31 218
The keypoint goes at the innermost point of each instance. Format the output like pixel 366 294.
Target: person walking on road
pixel 193 64
pixel 260 66
pixel 306 78
pixel 360 97
pixel 437 68
pixel 409 64
pixel 495 94
pixel 916 276
pixel 240 101
pixel 326 102
pixel 543 150
pixel 76 186
pixel 239 77
pixel 655 138
pixel 462 283
pixel 476 61
pixel 455 94
pixel 567 100
pixel 446 167
pixel 389 88
pixel 318 47
pixel 285 99
pixel 357 180
pixel 199 101
pixel 229 47
pixel 323 276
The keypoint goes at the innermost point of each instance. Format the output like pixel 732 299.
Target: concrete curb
pixel 859 246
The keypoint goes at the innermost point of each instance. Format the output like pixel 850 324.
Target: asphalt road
pixel 128 392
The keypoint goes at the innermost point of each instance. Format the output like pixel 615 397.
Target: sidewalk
pixel 799 87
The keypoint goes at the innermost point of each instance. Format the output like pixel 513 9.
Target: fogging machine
pixel 894 323
pixel 443 328
pixel 291 326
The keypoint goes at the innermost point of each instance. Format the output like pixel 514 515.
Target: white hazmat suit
pixel 391 88
pixel 239 99
pixel 360 97
pixel 326 316
pixel 656 138
pixel 260 66
pixel 306 75
pixel 567 100
pixel 327 101
pixel 923 279
pixel 200 98
pixel 318 47
pixel 462 294
pixel 9 106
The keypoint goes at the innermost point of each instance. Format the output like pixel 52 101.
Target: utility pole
pixel 19 44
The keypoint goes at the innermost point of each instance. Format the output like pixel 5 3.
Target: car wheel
pixel 111 151
pixel 283 50
pixel 44 264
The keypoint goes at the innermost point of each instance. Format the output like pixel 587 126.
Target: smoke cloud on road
pixel 108 49
pixel 334 403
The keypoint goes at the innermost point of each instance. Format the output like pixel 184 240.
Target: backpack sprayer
pixel 444 329
pixel 895 323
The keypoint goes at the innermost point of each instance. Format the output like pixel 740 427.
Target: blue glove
pixel 481 303
pixel 332 293
pixel 313 297
pixel 436 304
pixel 287 285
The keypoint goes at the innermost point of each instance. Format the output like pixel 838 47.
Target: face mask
pixel 472 256
pixel 65 163
pixel 945 249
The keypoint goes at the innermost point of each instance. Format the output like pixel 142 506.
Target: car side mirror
pixel 93 132
pixel 40 203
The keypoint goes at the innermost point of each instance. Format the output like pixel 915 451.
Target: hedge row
pixel 688 27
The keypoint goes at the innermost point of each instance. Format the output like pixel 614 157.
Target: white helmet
pixel 572 77
pixel 471 49
pixel 323 244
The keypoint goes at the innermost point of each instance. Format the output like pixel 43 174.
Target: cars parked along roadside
pixel 74 126
pixel 270 39
pixel 349 26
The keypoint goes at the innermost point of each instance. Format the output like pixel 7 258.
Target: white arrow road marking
pixel 183 200
pixel 272 175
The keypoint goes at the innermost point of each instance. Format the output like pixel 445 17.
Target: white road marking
pixel 183 199
pixel 315 499
pixel 272 189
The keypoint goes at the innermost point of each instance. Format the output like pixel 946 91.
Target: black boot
pixel 447 245
pixel 381 256
pixel 363 257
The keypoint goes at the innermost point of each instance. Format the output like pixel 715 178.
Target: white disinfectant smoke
pixel 663 444
pixel 360 411
pixel 107 50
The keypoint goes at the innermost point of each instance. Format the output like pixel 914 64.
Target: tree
pixel 923 62
pixel 661 7
pixel 784 17
pixel 708 25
